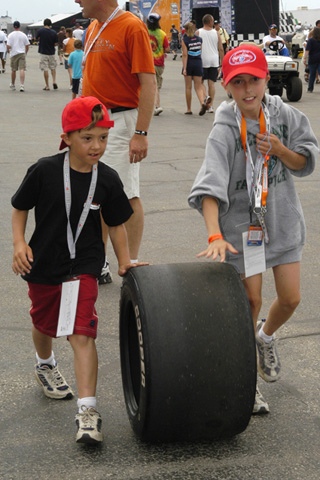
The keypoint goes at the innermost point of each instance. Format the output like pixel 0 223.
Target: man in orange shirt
pixel 119 70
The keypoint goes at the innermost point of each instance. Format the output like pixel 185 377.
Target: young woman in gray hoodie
pixel 246 193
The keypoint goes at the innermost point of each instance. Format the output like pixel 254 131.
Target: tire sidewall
pixel 131 303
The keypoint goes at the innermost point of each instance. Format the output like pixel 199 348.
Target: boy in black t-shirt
pixel 69 191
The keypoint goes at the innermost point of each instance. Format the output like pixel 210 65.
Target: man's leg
pixel 13 77
pixel 53 73
pixel 157 98
pixel 117 157
pixel 46 78
pixel 22 77
pixel 211 90
pixel 134 227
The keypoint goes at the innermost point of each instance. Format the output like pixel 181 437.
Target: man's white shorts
pixel 117 151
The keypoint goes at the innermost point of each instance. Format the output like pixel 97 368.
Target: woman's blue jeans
pixel 313 68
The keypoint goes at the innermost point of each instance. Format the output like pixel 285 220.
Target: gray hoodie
pixel 223 176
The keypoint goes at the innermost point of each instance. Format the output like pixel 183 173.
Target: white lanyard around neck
pixel 67 194
pixel 88 45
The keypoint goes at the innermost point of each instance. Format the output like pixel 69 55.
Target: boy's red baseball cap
pixel 77 115
pixel 247 59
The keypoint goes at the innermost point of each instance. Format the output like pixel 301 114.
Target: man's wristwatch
pixel 141 132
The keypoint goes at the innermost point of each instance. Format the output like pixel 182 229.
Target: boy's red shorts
pixel 45 305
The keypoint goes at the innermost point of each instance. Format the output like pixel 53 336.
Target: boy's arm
pixel 119 239
pixel 22 254
pixel 292 160
pixel 210 209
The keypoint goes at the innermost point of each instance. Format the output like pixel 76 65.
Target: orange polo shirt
pixel 121 51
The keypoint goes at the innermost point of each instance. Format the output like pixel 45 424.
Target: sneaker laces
pixel 88 417
pixel 56 377
pixel 269 353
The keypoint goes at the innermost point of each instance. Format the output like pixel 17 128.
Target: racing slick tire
pixel 188 355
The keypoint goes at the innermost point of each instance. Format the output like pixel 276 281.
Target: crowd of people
pixel 17 44
pixel 104 140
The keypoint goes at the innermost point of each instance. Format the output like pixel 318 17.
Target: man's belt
pixel 121 109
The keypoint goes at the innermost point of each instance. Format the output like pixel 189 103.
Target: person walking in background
pixel 78 32
pixel 3 51
pixel 48 39
pixel 160 46
pixel 68 47
pixel 224 37
pixel 75 64
pixel 317 24
pixel 212 55
pixel 175 41
pixel 18 46
pixel 312 57
pixel 61 37
pixel 192 67
pixel 123 79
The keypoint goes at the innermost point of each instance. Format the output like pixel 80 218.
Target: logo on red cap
pixel 242 57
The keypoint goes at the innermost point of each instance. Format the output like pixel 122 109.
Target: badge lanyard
pixel 87 50
pixel 256 174
pixel 67 194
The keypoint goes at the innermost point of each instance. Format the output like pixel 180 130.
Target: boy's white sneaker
pixel 12 86
pixel 21 88
pixel 52 382
pixel 89 426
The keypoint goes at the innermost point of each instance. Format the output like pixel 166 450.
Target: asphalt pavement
pixel 37 437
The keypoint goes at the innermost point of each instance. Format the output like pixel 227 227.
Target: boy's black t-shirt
pixel 43 189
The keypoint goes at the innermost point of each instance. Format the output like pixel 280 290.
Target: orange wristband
pixel 217 236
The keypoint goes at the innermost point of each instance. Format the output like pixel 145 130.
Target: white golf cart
pixel 284 73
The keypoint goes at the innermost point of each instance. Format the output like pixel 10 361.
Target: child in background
pixel 74 62
pixel 68 192
pixel 68 47
pixel 246 193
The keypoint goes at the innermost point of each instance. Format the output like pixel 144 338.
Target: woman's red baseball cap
pixel 78 114
pixel 247 59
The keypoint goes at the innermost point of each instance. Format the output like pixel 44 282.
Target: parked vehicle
pixel 284 73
